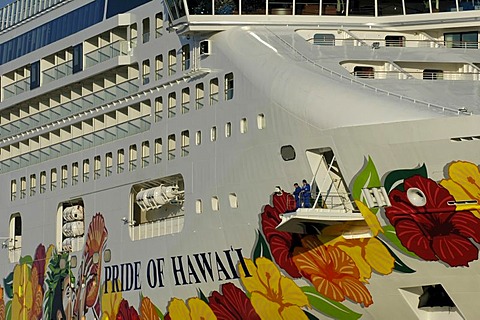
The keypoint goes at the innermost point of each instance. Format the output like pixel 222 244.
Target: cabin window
pixel 213 91
pixel 43 181
pixel 172 104
pixel 132 157
pixel 158 24
pixel 23 187
pixel 467 40
pixel 33 185
pixel 133 35
pixel 70 226
pixel 199 98
pixel 74 173
pixel 13 190
pixel 14 242
pixel 158 150
pixel 364 72
pixel 108 164
pixel 159 67
pixel 215 203
pixel 158 109
pixel 288 153
pixel 107 255
pixel 261 121
pixel 35 75
pixel 97 166
pixel 86 170
pixel 233 200
pixel 213 134
pixel 185 57
pixel 77 58
pixel 390 7
pixel 53 179
pixel 185 143
pixel 146 72
pixel 157 207
pixel 185 100
pixel 243 125
pixel 228 129
pixel 324 39
pixel 360 7
pixel 394 41
pixel 120 161
pixel 172 62
pixel 198 206
pixel 229 86
pixel 432 74
pixel 171 147
pixel 64 178
pixel 145 153
pixel 198 138
pixel 146 30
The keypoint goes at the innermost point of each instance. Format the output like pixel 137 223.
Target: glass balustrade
pixel 115 49
pixel 16 88
pixel 58 72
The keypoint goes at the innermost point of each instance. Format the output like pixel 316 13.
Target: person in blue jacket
pixel 296 194
pixel 306 194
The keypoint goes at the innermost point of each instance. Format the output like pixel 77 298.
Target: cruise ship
pixel 252 159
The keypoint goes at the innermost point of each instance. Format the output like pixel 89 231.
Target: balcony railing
pixel 115 49
pixel 427 75
pixel 17 88
pixel 58 72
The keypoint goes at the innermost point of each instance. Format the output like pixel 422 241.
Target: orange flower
pixel 332 271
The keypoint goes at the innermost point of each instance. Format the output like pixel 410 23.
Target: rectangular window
pixel 172 62
pixel 74 173
pixel 171 147
pixel 158 67
pixel 158 24
pixel 185 143
pixel 35 75
pixel 146 30
pixel 108 164
pixel 213 134
pixel 13 190
pixel 53 179
pixel 185 57
pixel 146 72
pixel 213 91
pixel 78 58
pixel 120 161
pixel 158 109
pixel 185 100
pixel 132 157
pixel 33 185
pixel 198 138
pixel 97 167
pixel 64 176
pixel 23 187
pixel 229 86
pixel 172 104
pixel 86 170
pixel 228 129
pixel 199 96
pixel 158 150
pixel 43 181
pixel 145 154
pixel 467 40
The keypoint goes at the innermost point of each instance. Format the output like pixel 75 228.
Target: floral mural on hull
pixel 437 222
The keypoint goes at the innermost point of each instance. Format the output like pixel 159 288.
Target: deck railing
pixel 107 52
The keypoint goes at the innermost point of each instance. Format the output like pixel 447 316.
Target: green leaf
pixel 329 307
pixel 261 248
pixel 8 285
pixel 393 179
pixel 391 236
pixel 202 296
pixel 159 313
pixel 398 265
pixel 367 178
pixel 8 310
pixel 26 260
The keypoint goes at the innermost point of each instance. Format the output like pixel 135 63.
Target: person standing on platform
pixel 296 194
pixel 306 194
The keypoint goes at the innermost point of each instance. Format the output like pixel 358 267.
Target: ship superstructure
pixel 149 150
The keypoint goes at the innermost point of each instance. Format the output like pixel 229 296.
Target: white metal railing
pixel 107 52
pixel 430 75
pixel 157 228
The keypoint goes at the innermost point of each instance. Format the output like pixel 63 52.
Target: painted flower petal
pixel 292 294
pixel 200 310
pixel 355 252
pixel 466 224
pixel 177 310
pixel 356 291
pixel 378 257
pixel 265 308
pixel 455 250
pixel 467 175
pixel 252 284
pixel 293 312
pixel 413 238
pixel 370 218
pixel 147 310
pixel 232 305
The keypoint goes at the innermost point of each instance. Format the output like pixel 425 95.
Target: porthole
pixel 107 255
pixel 288 153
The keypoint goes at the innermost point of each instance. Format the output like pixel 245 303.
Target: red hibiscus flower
pixel 126 313
pixel 281 243
pixel 232 305
pixel 39 263
pixel 432 229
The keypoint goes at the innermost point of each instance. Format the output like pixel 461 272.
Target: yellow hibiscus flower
pixel 110 301
pixel 196 309
pixel 367 254
pixel 464 184
pixel 273 296
pixel 22 301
